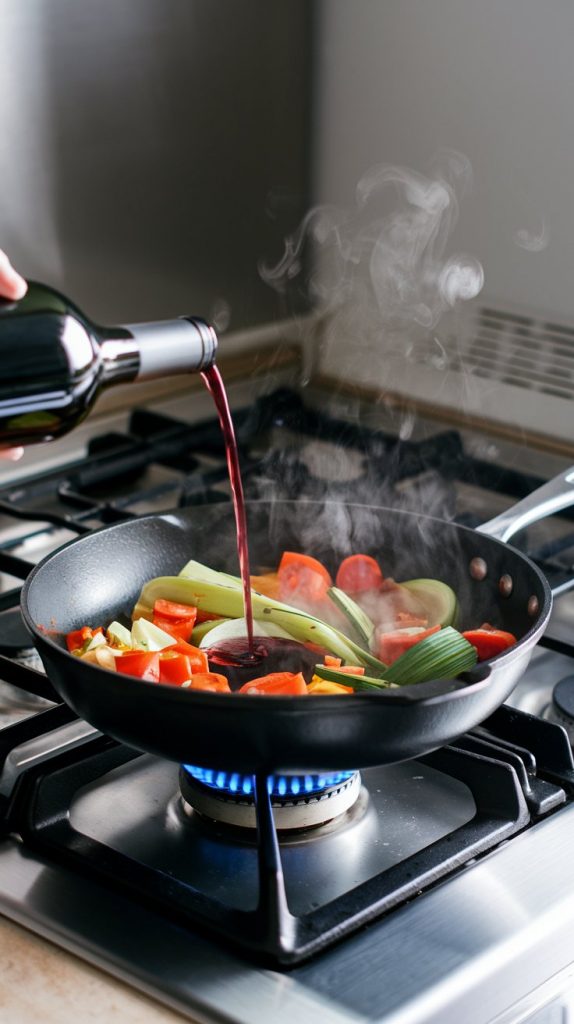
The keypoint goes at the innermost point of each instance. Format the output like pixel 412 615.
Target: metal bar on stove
pixel 34 516
pixel 45 824
pixel 27 679
pixel 14 566
pixel 278 924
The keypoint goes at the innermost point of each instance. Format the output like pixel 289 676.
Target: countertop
pixel 41 982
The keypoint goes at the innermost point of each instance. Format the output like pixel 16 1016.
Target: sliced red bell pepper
pixel 176 619
pixel 205 616
pixel 197 657
pixel 392 645
pixel 174 668
pixel 212 681
pixel 77 638
pixel 172 610
pixel 286 683
pixel 350 670
pixel 302 576
pixel 143 664
pixel 357 573
pixel 179 628
pixel 488 641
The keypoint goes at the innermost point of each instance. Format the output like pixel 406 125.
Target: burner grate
pixel 40 813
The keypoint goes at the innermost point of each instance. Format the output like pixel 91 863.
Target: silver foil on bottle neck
pixel 164 347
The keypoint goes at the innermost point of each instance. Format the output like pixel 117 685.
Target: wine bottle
pixel 54 361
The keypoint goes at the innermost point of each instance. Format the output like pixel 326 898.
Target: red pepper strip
pixel 205 616
pixel 357 573
pixel 143 664
pixel 291 683
pixel 392 645
pixel 489 642
pixel 78 637
pixel 351 670
pixel 174 668
pixel 209 681
pixel 301 576
pixel 179 628
pixel 197 657
pixel 172 610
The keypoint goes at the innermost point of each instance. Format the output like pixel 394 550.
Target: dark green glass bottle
pixel 54 361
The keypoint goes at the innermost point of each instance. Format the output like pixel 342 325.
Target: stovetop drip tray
pixel 106 810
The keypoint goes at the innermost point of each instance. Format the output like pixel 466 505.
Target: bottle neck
pixel 138 352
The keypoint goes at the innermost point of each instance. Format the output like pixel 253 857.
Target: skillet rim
pixel 419 693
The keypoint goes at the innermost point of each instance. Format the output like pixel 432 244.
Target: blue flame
pixel 277 785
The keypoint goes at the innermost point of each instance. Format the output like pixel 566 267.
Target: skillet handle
pixel 553 496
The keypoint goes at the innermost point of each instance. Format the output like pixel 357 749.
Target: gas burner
pixel 298 801
pixel 561 710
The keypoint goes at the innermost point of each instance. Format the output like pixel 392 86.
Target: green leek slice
pixel 442 655
pixel 333 675
pixel 359 620
pixel 224 597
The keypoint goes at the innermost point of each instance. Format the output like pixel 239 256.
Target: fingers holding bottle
pixel 12 286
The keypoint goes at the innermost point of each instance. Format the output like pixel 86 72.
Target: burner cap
pixel 297 801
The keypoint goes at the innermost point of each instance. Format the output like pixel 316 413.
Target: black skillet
pixel 98 577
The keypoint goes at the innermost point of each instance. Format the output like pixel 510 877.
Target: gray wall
pixel 154 151
pixel 398 79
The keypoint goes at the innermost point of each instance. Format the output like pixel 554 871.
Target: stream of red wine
pixel 216 388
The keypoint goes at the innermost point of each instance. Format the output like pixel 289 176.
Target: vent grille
pixel 524 352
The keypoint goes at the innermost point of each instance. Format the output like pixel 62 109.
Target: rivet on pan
pixel 478 568
pixel 506 585
pixel 533 605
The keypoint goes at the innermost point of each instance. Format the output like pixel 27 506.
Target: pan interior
pixel 98 577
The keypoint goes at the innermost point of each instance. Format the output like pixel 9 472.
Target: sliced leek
pixel 223 596
pixel 333 675
pixel 359 620
pixel 442 655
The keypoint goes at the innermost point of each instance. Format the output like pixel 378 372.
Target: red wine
pixel 239 662
pixel 216 388
pixel 55 361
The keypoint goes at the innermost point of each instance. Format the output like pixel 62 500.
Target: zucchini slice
pixel 438 600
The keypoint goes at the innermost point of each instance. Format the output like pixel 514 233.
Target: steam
pixel 387 254
pixel 532 241
pixel 383 278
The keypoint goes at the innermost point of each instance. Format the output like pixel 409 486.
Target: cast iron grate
pixel 506 802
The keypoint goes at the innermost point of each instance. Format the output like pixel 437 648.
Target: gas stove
pixel 435 890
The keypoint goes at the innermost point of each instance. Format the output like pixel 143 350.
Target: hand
pixel 12 286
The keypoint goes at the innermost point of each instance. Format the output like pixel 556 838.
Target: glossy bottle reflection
pixel 54 361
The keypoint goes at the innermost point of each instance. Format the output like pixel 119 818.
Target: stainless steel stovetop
pixel 489 937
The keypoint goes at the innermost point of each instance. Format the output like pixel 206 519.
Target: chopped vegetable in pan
pixel 367 633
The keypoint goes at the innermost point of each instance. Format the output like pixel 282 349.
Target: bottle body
pixel 54 361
